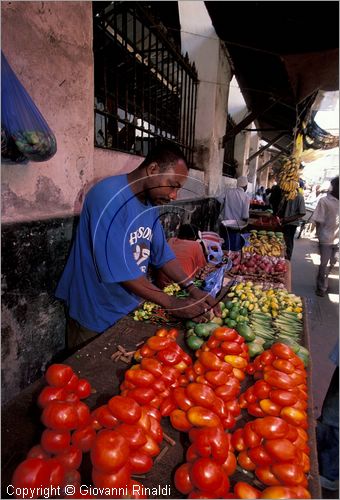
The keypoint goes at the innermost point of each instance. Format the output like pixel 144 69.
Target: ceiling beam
pixel 273 158
pixel 253 115
pixel 265 130
pixel 270 143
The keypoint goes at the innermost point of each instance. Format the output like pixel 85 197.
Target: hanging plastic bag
pixel 21 121
pixel 214 281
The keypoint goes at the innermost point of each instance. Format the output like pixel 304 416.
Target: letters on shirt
pixel 141 251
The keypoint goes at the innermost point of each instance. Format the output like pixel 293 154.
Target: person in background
pixel 188 251
pixel 266 196
pixel 118 236
pixel 326 220
pixel 289 212
pixel 327 430
pixel 235 206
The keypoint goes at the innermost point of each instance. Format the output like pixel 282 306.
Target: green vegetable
pixel 254 349
pixel 194 342
pixel 205 329
pixel 230 323
pixel 303 353
pixel 245 331
pixel 190 324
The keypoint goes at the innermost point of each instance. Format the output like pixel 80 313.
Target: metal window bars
pixel 145 90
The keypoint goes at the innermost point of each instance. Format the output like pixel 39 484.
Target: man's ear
pixel 153 168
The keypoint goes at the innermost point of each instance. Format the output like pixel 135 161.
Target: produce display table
pixel 21 428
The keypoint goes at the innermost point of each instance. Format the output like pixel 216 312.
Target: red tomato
pixel 210 441
pixel 216 377
pixel 237 440
pixel 84 438
pixel 167 406
pixel 212 362
pixel 269 407
pixel 223 488
pixel 230 464
pixel 83 389
pixel 125 409
pixel 152 412
pixel 119 479
pixel 58 375
pixel 228 391
pixel 169 356
pixel 192 453
pixel 206 474
pixel 49 394
pixel 140 462
pixel 293 416
pixel 109 452
pixel 158 343
pixel 153 366
pixel 56 471
pixel 181 399
pixel 250 395
pixel 245 490
pixel 288 474
pixel 83 411
pixel 133 434
pixel 31 473
pixel 233 406
pixel 265 475
pixel 72 397
pixel 139 377
pixel 202 417
pixel 278 379
pixel 231 348
pixel 270 427
pixel 201 395
pixel 72 384
pixel 104 417
pixel 72 477
pixel 143 395
pixel 245 461
pixel 255 410
pixel 223 333
pixel 179 420
pixel 259 456
pixel 170 375
pixel 156 431
pixel 282 450
pixel 283 365
pixel 60 416
pixel 277 492
pixel 37 452
pixel 283 351
pixel 283 398
pixel 250 437
pixel 54 441
pixel 150 448
pixel 182 479
pixel 70 457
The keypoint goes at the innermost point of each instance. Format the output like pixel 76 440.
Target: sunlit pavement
pixel 323 314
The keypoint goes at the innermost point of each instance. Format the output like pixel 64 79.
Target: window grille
pixel 229 162
pixel 145 90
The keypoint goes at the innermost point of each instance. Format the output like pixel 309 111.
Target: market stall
pixel 104 363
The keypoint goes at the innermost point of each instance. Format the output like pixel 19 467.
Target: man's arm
pixel 181 308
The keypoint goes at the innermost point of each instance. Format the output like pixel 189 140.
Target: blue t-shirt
pixel 117 238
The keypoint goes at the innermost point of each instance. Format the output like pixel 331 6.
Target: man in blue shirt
pixel 118 236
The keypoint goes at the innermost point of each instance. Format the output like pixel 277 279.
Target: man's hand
pixel 209 302
pixel 198 311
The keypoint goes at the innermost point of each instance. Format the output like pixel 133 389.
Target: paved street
pixel 323 314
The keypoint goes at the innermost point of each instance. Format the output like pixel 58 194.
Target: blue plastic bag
pixel 24 131
pixel 214 280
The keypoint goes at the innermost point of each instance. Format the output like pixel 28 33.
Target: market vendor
pixel 234 207
pixel 189 253
pixel 118 236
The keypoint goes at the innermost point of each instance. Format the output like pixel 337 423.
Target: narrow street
pixel 323 313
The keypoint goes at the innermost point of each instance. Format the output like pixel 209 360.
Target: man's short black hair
pixel 166 154
pixel 188 232
pixel 335 186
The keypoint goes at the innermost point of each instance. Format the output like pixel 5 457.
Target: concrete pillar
pixel 204 48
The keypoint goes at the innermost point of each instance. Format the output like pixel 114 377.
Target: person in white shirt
pixel 326 219
pixel 235 207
